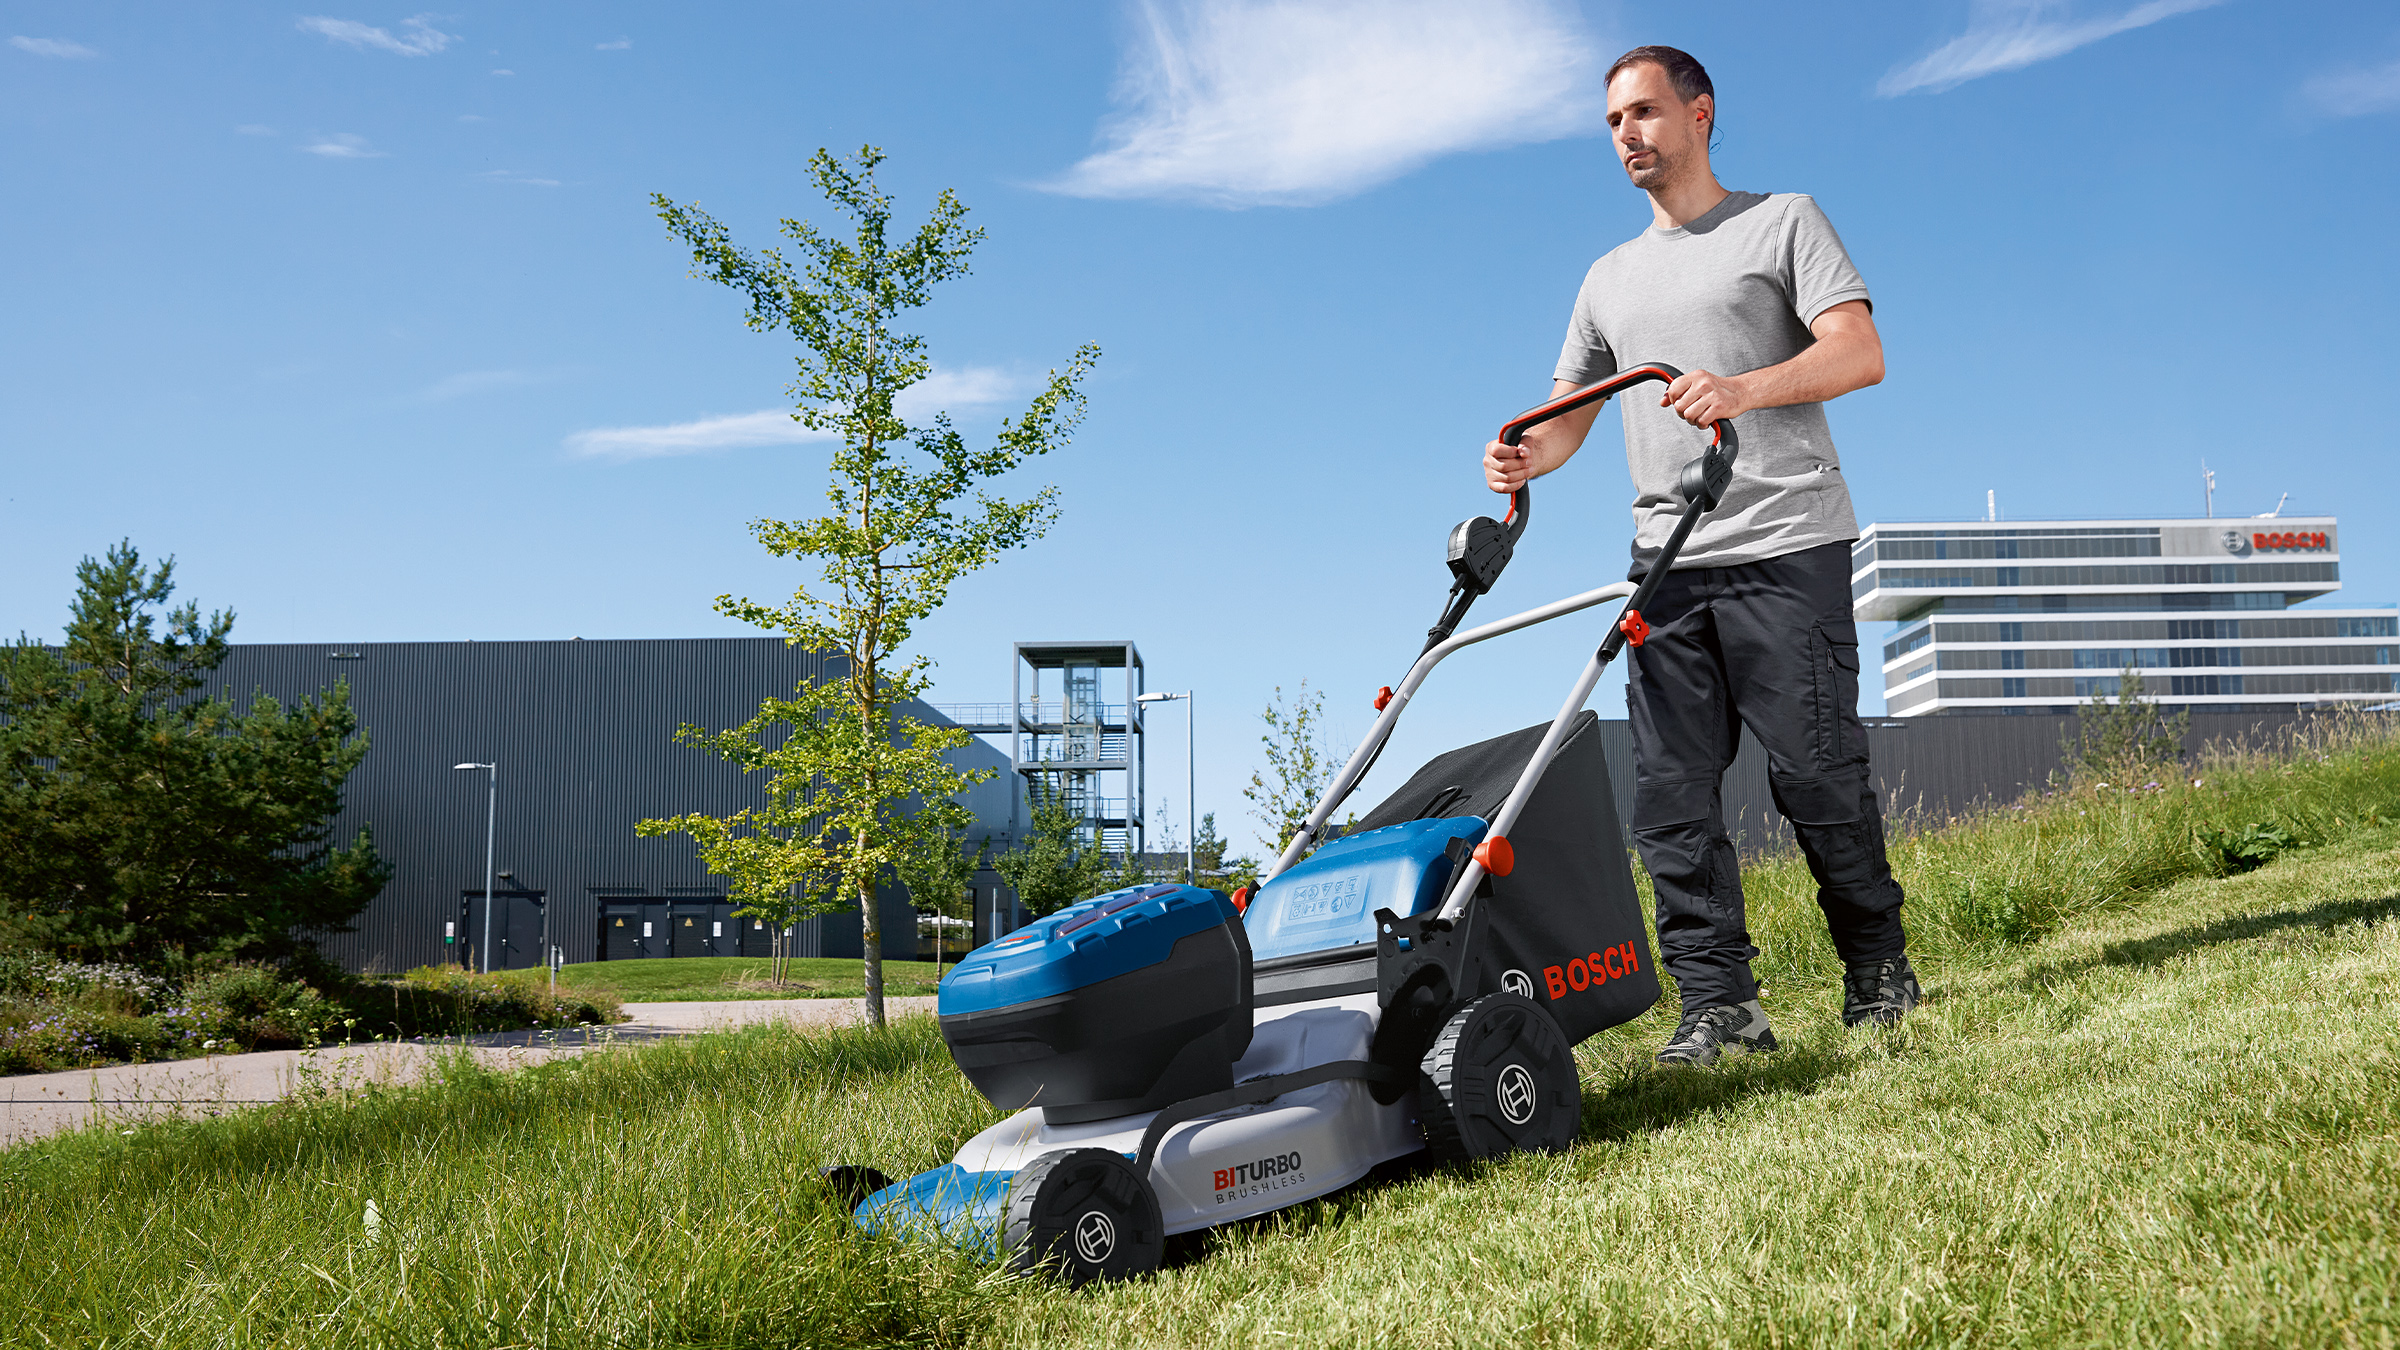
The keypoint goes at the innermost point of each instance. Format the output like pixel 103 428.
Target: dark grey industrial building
pixel 583 733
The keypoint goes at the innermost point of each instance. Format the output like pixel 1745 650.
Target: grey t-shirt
pixel 1731 292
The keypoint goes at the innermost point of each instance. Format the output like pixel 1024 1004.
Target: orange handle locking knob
pixel 1383 698
pixel 1634 626
pixel 1496 856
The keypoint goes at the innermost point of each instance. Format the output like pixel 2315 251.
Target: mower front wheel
pixel 852 1185
pixel 1499 1078
pixel 1086 1213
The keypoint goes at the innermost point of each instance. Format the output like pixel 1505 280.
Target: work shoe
pixel 1881 992
pixel 1709 1032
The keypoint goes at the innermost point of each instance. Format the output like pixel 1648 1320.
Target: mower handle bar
pixel 1433 656
pixel 1702 485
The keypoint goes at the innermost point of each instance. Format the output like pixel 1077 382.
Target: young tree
pixel 1218 871
pixel 141 820
pixel 2124 736
pixel 910 515
pixel 1208 850
pixel 1052 866
pixel 1301 758
pixel 937 878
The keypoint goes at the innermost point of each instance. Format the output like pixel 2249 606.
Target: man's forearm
pixel 1846 355
pixel 1832 366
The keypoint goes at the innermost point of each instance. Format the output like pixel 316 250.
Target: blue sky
pixel 362 314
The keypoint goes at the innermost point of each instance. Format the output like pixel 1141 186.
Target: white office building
pixel 2021 617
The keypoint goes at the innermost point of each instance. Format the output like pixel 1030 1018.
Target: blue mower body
pixel 1093 1019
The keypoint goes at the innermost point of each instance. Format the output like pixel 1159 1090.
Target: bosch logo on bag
pixel 1583 972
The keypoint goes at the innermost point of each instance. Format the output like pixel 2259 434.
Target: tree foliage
pixel 1301 761
pixel 1053 865
pixel 143 821
pixel 2126 735
pixel 937 878
pixel 910 514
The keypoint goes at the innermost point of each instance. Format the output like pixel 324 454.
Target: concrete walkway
pixel 35 1105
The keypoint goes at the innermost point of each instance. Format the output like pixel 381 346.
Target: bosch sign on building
pixel 2002 617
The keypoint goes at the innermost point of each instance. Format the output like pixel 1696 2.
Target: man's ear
pixel 1706 103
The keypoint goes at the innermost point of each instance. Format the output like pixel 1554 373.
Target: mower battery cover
pixel 1122 1003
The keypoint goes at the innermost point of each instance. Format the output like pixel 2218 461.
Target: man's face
pixel 1658 136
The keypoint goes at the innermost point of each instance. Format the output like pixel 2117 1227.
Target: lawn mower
pixel 1177 1058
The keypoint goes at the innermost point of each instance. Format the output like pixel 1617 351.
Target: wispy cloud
pixel 772 427
pixel 56 48
pixel 1294 102
pixel 504 72
pixel 972 386
pixel 2012 34
pixel 512 176
pixel 342 145
pixel 468 382
pixel 621 44
pixel 416 38
pixel 2354 93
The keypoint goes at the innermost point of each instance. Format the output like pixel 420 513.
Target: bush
pixel 258 1008
pixel 57 1015
pixel 446 1001
pixel 2253 847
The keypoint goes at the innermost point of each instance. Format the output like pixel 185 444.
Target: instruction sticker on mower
pixel 1243 1180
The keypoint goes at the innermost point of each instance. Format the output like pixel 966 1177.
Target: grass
pixel 685 979
pixel 2148 1104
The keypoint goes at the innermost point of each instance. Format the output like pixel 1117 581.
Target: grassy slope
pixel 2169 1121
pixel 683 979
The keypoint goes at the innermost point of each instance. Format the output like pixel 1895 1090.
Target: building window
pixel 2098 686
pixel 2367 628
pixel 2012 688
pixel 2012 660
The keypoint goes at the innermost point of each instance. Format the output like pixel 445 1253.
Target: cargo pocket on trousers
pixel 1839 740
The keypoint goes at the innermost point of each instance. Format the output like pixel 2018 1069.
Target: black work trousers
pixel 1770 646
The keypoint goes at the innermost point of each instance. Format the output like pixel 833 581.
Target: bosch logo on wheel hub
pixel 1515 1095
pixel 1095 1236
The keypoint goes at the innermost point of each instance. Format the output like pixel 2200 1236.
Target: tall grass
pixel 2156 1108
pixel 1986 881
pixel 660 1196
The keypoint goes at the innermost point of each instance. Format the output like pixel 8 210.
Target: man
pixel 1755 300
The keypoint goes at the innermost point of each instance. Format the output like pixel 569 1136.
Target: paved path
pixel 34 1105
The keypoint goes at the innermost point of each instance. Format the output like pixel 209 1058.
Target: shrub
pixel 445 1001
pixel 258 1008
pixel 2253 847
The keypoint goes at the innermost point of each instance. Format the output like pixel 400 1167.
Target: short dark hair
pixel 1684 71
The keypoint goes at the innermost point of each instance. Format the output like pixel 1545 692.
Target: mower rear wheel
pixel 1086 1213
pixel 1499 1078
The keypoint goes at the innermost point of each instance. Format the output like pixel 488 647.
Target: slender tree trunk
pixel 870 931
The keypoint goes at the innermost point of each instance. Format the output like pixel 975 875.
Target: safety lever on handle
pixel 1703 486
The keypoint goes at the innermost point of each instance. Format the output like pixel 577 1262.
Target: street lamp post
pixel 1191 776
pixel 491 821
